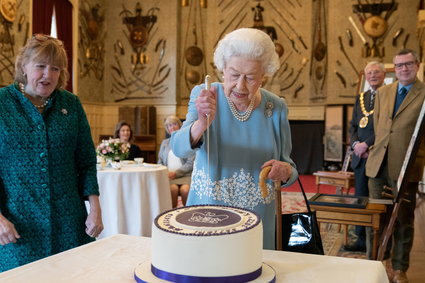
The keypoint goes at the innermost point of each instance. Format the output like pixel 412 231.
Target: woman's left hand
pixel 172 175
pixel 281 171
pixel 94 225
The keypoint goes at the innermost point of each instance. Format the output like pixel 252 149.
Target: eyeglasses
pixel 44 37
pixel 408 64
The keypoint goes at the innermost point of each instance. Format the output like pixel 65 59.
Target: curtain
pixel 42 22
pixel 42 16
pixel 307 145
pixel 63 10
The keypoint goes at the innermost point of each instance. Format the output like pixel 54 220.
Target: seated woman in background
pixel 179 169
pixel 125 134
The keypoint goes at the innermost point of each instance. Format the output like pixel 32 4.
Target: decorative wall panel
pixel 141 49
pixel 14 29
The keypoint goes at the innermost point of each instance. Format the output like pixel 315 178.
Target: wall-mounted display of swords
pixel 373 18
pixel 270 30
pixel 323 44
pixel 9 35
pixel 145 50
pixel 92 40
pixel 319 52
pixel 193 66
pixel 278 19
pixel 292 65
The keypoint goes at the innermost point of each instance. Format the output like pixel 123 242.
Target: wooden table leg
pixel 375 243
pixel 345 234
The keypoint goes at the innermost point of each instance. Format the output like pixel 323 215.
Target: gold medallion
pixel 363 122
pixel 375 26
pixel 8 9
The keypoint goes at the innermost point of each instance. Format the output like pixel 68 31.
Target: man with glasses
pixel 361 138
pixel 397 108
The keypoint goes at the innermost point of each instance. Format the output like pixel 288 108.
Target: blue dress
pixel 237 152
pixel 47 169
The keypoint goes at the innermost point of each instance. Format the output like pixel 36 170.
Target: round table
pixel 132 197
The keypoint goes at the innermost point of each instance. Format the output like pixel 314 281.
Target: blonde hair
pixel 171 120
pixel 46 49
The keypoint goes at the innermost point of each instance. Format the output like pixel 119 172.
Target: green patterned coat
pixel 47 169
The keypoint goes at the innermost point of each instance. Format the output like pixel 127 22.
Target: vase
pixel 113 162
pixel 108 162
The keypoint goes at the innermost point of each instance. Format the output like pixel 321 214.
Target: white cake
pixel 211 242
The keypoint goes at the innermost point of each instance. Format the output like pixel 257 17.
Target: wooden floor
pixel 416 272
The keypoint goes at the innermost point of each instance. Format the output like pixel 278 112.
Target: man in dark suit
pixel 362 137
pixel 397 107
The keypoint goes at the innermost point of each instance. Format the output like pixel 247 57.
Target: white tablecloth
pixel 114 259
pixel 132 197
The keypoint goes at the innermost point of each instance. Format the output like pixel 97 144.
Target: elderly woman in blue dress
pixel 248 130
pixel 179 169
pixel 47 160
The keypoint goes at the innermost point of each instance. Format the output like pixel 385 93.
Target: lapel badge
pixel 64 111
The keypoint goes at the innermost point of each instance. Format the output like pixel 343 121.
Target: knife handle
pixel 207 82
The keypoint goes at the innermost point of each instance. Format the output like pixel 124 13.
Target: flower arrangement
pixel 113 149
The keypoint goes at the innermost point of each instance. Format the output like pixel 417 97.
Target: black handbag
pixel 300 231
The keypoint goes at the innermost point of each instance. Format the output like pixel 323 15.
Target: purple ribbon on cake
pixel 198 279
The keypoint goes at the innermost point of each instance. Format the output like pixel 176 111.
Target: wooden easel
pixel 344 169
pixel 401 190
pixel 347 159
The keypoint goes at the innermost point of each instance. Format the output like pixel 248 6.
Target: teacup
pixel 116 165
pixel 139 160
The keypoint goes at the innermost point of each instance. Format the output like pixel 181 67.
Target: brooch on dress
pixel 269 109
pixel 64 111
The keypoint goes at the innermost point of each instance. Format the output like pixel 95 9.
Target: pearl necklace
pixel 244 116
pixel 22 89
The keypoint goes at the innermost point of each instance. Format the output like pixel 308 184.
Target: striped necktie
pixel 399 99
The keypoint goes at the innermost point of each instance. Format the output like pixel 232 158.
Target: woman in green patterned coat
pixel 47 160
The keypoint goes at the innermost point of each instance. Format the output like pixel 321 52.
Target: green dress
pixel 47 170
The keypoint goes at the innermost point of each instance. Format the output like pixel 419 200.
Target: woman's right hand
pixel 8 233
pixel 206 104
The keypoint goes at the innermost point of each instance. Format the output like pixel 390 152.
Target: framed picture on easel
pixel 337 124
pixel 334 131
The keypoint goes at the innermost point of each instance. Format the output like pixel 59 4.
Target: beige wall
pixel 173 33
pixel 177 24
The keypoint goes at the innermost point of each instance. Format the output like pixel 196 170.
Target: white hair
pixel 249 43
pixel 374 63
